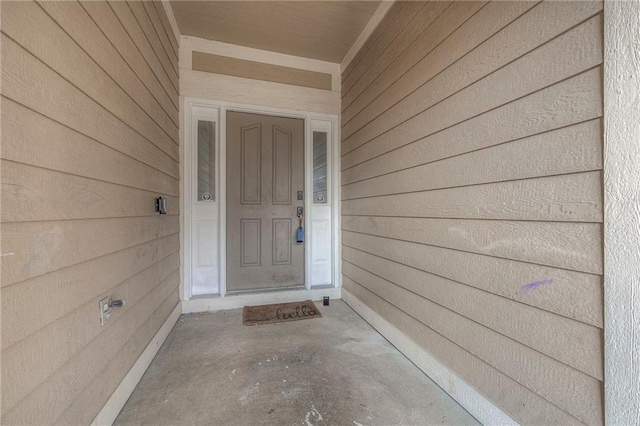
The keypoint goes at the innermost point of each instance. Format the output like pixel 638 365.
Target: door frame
pixel 321 122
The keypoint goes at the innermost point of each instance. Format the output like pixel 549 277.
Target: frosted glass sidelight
pixel 206 160
pixel 320 167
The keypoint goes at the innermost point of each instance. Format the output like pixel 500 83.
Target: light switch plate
pixel 105 310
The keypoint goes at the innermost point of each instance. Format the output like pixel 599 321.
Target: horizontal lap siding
pixel 472 195
pixel 90 137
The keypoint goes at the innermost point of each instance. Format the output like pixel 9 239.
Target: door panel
pixel 265 170
pixel 282 145
pixel 250 164
pixel 250 242
pixel 282 241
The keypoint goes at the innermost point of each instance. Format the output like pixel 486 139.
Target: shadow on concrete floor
pixel 336 370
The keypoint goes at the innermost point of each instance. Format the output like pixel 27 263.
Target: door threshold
pixel 213 303
pixel 265 290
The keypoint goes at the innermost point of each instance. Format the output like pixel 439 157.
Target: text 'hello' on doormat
pixel 279 312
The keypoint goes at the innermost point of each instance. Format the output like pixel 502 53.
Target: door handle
pixel 300 231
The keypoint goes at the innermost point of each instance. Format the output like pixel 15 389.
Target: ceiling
pixel 323 30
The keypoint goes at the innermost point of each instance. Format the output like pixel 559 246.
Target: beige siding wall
pixel 472 195
pixel 89 138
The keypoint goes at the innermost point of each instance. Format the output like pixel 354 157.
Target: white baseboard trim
pixel 112 408
pixel 470 399
pixel 212 304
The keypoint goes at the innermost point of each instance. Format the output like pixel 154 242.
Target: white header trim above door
pixel 189 44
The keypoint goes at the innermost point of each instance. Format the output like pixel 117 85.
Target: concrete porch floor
pixel 336 370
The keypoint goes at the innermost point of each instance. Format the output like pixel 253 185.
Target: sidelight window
pixel 206 160
pixel 319 167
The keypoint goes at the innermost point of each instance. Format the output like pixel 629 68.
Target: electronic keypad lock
pixel 300 231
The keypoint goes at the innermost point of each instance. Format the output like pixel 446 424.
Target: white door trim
pixel 223 107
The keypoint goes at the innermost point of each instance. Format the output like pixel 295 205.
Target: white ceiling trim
pixel 172 19
pixel 377 16
pixel 189 44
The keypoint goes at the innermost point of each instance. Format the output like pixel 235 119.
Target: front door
pixel 265 183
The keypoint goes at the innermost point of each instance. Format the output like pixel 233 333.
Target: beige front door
pixel 265 174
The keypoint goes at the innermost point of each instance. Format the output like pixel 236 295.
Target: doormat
pixel 279 312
